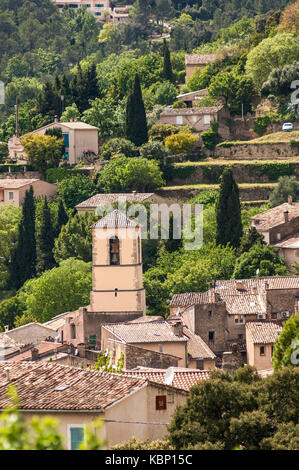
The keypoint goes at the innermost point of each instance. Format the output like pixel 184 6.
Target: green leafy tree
pixel 70 112
pixel 287 186
pixel 260 261
pixel 286 347
pixel 58 290
pixel 228 211
pixel 24 257
pixel 117 146
pixel 43 151
pixel 285 438
pixel 10 217
pixel 272 53
pixel 75 190
pixel 104 364
pixel 127 174
pixel 105 115
pixel 251 238
pixel 182 142
pixel 74 240
pixel 234 90
pixel 45 240
pixel 165 93
pixel 136 126
pixel 9 310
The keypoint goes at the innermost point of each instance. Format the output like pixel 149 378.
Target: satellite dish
pixel 169 376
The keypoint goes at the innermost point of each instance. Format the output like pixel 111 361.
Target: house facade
pixel 260 339
pixel 79 138
pixel 12 191
pixel 219 315
pixel 128 406
pixel 199 119
pixel 280 228
pixel 195 62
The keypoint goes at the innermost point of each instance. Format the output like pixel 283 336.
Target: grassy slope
pixel 276 137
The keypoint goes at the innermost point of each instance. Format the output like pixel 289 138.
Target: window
pixel 76 437
pixel 160 347
pixel 11 196
pixel 278 236
pixel 241 319
pixel 114 250
pixel 210 313
pixel 262 350
pixel 73 331
pixel 199 364
pixel 66 140
pixel 92 340
pixel 179 120
pixel 98 13
pixel 161 402
pixel 194 118
pixel 211 335
pixel 207 119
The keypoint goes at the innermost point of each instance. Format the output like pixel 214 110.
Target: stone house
pixel 199 119
pixel 280 228
pixel 192 98
pixel 79 137
pixel 219 315
pixel 260 338
pixel 93 6
pixel 12 191
pixel 195 62
pixel 128 406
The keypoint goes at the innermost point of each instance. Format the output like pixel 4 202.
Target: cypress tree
pixel 92 82
pixel 136 126
pixel 167 68
pixel 62 217
pixel 45 240
pixel 228 211
pixel 24 257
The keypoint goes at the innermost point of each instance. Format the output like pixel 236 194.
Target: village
pixel 120 331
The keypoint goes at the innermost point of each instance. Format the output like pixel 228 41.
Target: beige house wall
pixel 208 364
pixel 254 358
pixel 130 417
pixel 291 255
pixel 40 188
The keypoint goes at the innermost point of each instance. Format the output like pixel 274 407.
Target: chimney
pixel 290 199
pixel 240 285
pixel 56 118
pixel 254 290
pixel 7 369
pixel 177 328
pixel 286 216
pixel 6 328
pixel 34 354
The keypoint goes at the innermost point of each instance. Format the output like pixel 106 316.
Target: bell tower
pixel 117 285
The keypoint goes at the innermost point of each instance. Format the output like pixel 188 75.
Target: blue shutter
pixel 66 140
pixel 77 435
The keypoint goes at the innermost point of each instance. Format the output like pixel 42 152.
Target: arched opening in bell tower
pixel 114 251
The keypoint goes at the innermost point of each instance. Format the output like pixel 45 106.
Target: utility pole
pixel 17 117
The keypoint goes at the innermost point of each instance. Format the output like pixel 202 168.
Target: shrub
pixel 206 102
pixel 117 146
pixel 183 142
pixel 54 175
pixel 260 124
pixel 179 104
pixel 161 131
pixel 153 150
pixel 209 139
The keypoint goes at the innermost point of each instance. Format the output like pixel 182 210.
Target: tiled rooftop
pixel 199 59
pixel 154 332
pixel 275 216
pixel 263 332
pixel 115 219
pixel 49 386
pixel 192 111
pixel 99 199
pixel 239 295
pixel 182 378
pixel 31 333
pixel 196 346
pixel 291 242
pixel 15 183
pixel 43 349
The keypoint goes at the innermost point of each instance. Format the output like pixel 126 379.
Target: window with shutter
pixel 77 435
pixel 161 402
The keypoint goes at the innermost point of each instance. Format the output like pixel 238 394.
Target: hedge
pixel 55 175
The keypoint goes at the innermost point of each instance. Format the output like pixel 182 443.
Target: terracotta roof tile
pixel 196 346
pixel 50 386
pixel 115 219
pixel 263 332
pixel 43 349
pixel 11 183
pixel 275 216
pixel 155 332
pixel 99 199
pixel 199 59
pixel 182 378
